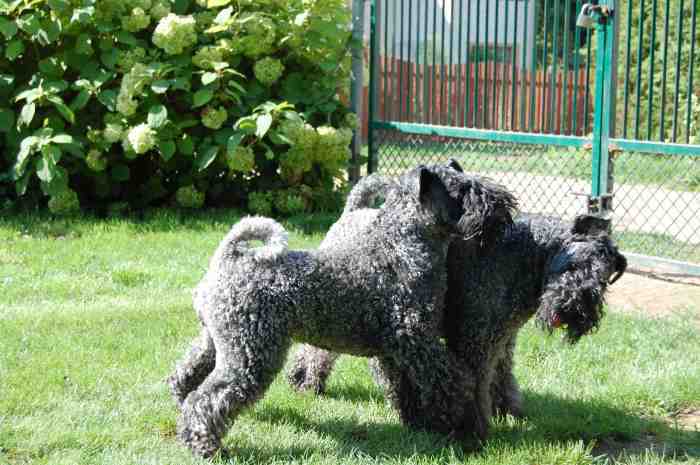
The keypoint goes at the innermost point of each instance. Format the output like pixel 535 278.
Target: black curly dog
pixel 378 295
pixel 555 270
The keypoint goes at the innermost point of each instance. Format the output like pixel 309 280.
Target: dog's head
pixel 583 262
pixel 468 206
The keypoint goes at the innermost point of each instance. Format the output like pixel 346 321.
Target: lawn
pixel 94 314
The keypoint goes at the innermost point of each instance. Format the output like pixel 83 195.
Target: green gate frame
pixel 603 143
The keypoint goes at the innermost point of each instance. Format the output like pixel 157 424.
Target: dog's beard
pixel 573 302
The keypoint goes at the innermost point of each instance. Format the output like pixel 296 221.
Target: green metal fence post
pixel 371 147
pixel 601 182
pixel 356 89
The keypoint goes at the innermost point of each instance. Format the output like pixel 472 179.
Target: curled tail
pixel 251 228
pixel 366 192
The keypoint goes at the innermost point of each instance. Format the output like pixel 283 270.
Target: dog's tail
pixel 367 191
pixel 235 244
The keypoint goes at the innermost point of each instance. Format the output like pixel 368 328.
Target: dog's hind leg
pixel 246 364
pixel 311 368
pixel 193 368
pixel 431 390
pixel 505 390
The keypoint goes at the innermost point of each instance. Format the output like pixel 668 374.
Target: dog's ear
pixel 433 195
pixel 454 164
pixel 589 224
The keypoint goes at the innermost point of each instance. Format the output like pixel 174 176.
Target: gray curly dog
pixel 379 295
pixel 556 270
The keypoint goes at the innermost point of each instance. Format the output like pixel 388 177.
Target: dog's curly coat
pixel 376 295
pixel 544 266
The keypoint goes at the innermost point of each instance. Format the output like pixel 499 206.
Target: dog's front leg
pixel 427 386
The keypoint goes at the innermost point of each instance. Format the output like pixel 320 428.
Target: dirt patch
pixel 688 420
pixel 655 296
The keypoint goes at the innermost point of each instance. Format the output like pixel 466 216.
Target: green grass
pixel 658 245
pixel 93 315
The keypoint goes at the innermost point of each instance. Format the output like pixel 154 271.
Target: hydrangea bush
pixel 107 103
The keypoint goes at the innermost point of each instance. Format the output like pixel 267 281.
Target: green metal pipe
pixel 468 72
pixel 653 147
pixel 565 109
pixel 577 67
pixel 418 79
pixel 483 134
pixel 484 123
pixel 523 67
pixel 433 90
pixel 427 102
pixel 544 66
pixel 678 72
pixel 476 65
pixel 371 146
pixel 459 99
pixel 533 71
pixel 409 71
pixel 555 66
pixel 494 73
pixel 401 60
pixel 662 113
pixel 450 84
pixel 385 11
pixel 652 50
pixel 640 48
pixel 512 66
pixel 691 70
pixel 587 93
pixel 443 73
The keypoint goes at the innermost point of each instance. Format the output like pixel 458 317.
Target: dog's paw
pixel 301 380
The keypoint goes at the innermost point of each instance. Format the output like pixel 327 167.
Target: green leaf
pixel 59 5
pixel 63 109
pixel 278 138
pixel 26 115
pixel 29 23
pixel 263 124
pixel 233 142
pixel 160 86
pixel 62 139
pixel 120 173
pixel 167 149
pixel 80 100
pixel 224 15
pixel 58 184
pixel 82 15
pixel 127 38
pixel 206 157
pixel 217 3
pixel 157 116
pixel 7 28
pixel 186 145
pixel 7 119
pixel 209 77
pixel 202 97
pixel 108 98
pixel 21 184
pixel 26 148
pixel 14 49
pixel 46 164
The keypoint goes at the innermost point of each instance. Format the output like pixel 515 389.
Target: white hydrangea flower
pixel 142 138
pixel 175 33
pixel 113 132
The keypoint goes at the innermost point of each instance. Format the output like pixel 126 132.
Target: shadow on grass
pixel 550 422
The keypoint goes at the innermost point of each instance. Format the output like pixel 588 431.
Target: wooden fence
pixel 482 96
